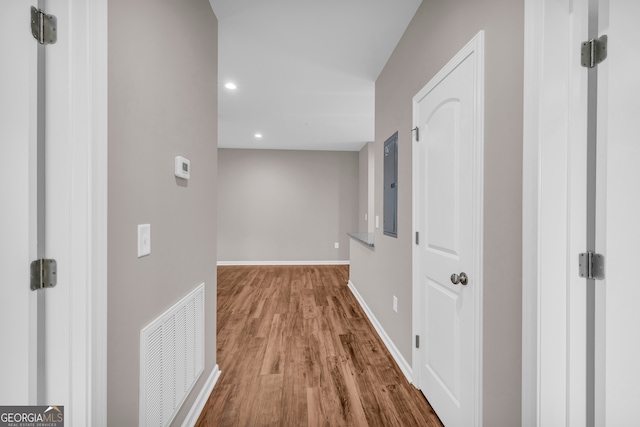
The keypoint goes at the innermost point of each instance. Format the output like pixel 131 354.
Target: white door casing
pixel 617 317
pixel 77 139
pixel 447 183
pixel 554 214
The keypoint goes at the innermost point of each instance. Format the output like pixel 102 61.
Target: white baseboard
pixel 201 400
pixel 388 342
pixel 339 262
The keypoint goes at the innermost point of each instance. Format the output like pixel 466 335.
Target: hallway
pixel 296 349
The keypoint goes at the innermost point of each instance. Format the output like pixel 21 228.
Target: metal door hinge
pixel 417 341
pixel 591 266
pixel 44 274
pixel 43 26
pixel 593 52
pixel 417 130
pixel 417 238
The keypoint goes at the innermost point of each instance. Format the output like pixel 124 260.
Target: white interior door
pixel 35 220
pixel 75 226
pixel 448 200
pixel 555 333
pixel 618 223
pixel 18 128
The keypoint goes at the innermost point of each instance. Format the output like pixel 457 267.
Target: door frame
pixel 476 47
pixel 87 125
pixel 554 214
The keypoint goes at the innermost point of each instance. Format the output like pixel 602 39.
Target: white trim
pixel 97 41
pixel 415 271
pixel 340 262
pixel 476 47
pixel 554 219
pixel 405 367
pixel 533 55
pixel 88 228
pixel 201 400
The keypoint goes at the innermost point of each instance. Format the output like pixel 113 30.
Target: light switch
pixel 144 240
pixel 377 221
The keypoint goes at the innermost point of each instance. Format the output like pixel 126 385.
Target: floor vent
pixel 171 359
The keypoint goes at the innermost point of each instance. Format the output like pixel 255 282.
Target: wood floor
pixel 296 349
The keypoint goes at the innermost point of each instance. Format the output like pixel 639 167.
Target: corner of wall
pixel 159 109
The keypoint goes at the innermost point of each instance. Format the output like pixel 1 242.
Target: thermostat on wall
pixel 183 167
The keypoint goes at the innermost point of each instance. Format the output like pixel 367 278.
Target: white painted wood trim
pixel 476 47
pixel 533 56
pixel 339 262
pixel 405 367
pixel 97 17
pixel 554 164
pixel 201 400
pixel 415 271
pixel 88 239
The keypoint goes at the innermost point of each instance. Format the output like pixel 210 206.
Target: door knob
pixel 463 279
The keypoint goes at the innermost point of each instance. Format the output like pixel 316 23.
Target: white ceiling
pixel 305 70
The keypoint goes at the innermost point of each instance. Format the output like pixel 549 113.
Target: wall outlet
pixel 336 245
pixel 377 221
pixel 395 303
pixel 366 217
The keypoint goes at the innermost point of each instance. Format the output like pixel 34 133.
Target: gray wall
pixel 371 187
pixel 437 32
pixel 162 103
pixel 280 205
pixel 363 188
pixel 366 188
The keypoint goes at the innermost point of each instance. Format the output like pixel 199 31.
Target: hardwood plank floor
pixel 296 349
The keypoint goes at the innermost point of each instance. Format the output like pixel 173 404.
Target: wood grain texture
pixel 296 349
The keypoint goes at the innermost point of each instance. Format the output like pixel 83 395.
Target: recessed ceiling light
pixel 231 86
pixel 258 135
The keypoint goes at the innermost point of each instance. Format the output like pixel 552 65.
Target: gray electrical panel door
pixel 390 195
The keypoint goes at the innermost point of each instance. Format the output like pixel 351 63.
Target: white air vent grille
pixel 171 359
